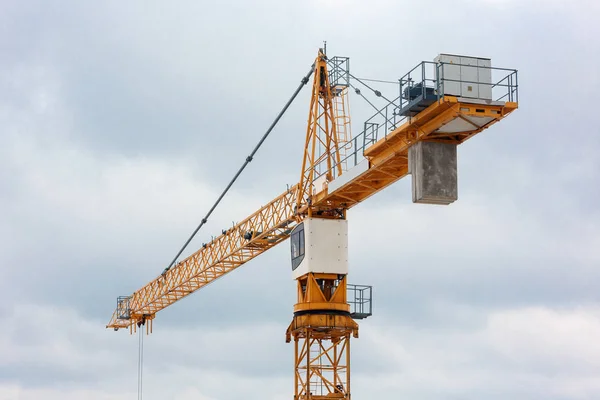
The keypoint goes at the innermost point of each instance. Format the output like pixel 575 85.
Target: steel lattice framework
pixel 259 232
pixel 322 324
pixel 270 225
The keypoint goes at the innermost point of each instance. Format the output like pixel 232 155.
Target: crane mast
pixel 321 152
pixel 440 105
pixel 322 325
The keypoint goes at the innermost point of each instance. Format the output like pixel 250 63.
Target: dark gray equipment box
pixel 434 174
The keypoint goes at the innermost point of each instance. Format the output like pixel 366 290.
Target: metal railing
pixel 123 308
pixel 339 71
pixel 503 81
pixel 360 298
pixel 419 81
pixel 426 80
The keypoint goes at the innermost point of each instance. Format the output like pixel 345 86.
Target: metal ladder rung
pixel 342 122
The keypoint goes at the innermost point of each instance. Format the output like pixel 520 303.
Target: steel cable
pixel 376 80
pixel 377 92
pixel 246 162
pixel 140 362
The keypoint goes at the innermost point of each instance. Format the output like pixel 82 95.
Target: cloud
pixel 525 352
pixel 53 351
pixel 139 208
pixel 119 125
pixel 516 352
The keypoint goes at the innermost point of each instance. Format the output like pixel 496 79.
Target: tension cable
pixel 246 162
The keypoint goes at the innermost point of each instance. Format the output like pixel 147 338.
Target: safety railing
pixel 360 298
pixel 123 308
pixel 339 71
pixel 420 82
pixel 502 81
pixel 421 86
pixel 507 88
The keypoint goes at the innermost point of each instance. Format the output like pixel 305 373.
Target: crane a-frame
pixel 440 105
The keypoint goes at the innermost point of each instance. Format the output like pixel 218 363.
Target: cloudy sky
pixel 121 121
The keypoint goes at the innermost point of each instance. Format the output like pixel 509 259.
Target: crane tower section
pixel 322 324
pixel 322 160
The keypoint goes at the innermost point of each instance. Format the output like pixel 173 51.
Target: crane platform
pixel 380 155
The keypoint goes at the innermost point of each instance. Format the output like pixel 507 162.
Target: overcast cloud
pixel 120 122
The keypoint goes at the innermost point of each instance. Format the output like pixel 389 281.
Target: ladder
pixel 341 108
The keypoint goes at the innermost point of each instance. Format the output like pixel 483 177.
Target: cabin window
pixel 297 241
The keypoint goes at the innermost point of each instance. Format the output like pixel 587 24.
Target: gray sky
pixel 120 122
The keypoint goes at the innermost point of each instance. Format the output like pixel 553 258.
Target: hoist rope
pixel 140 362
pixel 246 162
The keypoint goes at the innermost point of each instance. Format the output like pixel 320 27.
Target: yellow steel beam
pixel 321 143
pixel 388 162
pixel 224 254
pixel 388 157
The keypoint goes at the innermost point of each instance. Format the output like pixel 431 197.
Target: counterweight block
pixel 434 172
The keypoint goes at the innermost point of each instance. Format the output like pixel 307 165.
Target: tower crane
pixel 440 104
